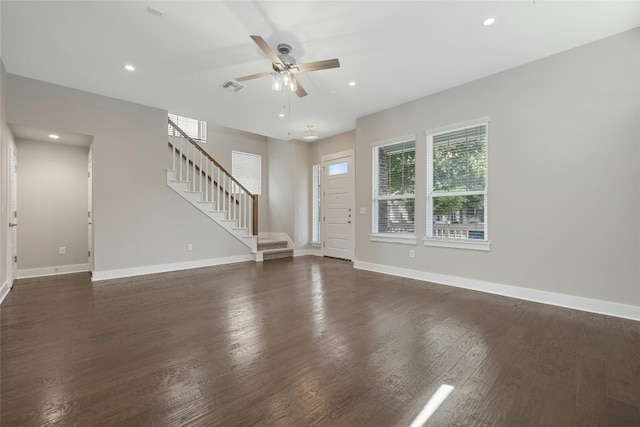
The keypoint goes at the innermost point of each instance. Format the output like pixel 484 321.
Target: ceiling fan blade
pixel 267 50
pixel 300 90
pixel 319 65
pixel 253 76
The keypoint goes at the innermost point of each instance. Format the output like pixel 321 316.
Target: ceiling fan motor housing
pixel 284 50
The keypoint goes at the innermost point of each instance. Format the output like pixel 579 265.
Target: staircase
pixel 204 183
pixel 221 217
pixel 274 248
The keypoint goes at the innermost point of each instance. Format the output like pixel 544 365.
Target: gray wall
pixel 289 185
pixel 301 186
pixel 52 200
pixel 335 144
pixel 564 174
pixel 221 141
pixel 281 197
pixel 138 220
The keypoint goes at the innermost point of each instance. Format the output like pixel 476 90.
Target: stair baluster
pixel 202 174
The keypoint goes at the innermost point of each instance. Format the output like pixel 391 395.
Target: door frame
pixel 352 187
pixel 90 244
pixel 12 208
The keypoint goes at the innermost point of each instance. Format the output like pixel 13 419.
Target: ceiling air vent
pixel 232 86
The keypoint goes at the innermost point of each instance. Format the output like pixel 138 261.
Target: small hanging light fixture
pixel 284 80
pixel 310 134
pixel 276 82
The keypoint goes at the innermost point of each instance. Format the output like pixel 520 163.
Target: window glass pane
pixel 459 217
pixel 460 160
pixel 396 169
pixel 247 169
pixel 338 168
pixel 456 202
pixel 396 216
pixel 196 129
pixel 316 204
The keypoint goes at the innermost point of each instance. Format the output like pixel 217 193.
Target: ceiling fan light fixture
pixel 285 67
pixel 310 134
pixel 276 82
pixel 286 78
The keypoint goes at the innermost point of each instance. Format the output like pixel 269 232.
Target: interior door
pixel 338 215
pixel 90 208
pixel 13 213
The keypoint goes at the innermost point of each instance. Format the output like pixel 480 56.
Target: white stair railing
pixel 205 175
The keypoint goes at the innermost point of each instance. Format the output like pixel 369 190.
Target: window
pixel 196 129
pixel 247 169
pixel 316 212
pixel 394 167
pixel 457 186
pixel 338 168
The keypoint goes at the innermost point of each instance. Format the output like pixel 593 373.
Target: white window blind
pixel 394 188
pixel 457 184
pixel 315 236
pixel 196 129
pixel 247 169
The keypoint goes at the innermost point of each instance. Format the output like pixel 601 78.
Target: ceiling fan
pixel 285 67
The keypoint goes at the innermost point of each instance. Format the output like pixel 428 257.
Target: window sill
pixel 405 239
pixel 480 245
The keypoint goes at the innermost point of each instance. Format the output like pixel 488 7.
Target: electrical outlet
pixel 412 253
pixel 189 247
pixel 62 250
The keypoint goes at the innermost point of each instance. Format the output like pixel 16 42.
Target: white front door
pixel 337 189
pixel 13 210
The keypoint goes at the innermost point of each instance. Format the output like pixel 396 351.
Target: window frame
pixel 472 244
pixel 375 235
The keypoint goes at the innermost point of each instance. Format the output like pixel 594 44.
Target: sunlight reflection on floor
pixel 432 405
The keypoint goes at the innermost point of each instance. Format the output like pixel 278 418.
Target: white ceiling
pixel 29 133
pixel 395 51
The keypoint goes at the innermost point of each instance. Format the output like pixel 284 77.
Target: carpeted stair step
pixel 267 244
pixel 277 253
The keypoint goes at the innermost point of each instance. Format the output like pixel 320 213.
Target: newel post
pixel 254 205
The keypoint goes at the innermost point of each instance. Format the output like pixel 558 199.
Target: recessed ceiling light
pixel 281 115
pixel 129 67
pixel 54 136
pixel 489 21
pixel 352 83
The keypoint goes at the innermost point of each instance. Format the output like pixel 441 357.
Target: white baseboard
pixel 4 290
pixel 52 271
pixel 303 252
pixel 164 268
pixel 569 301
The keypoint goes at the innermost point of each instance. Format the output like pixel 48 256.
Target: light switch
pixel 363 210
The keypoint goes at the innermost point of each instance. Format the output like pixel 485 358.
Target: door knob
pixel 12 225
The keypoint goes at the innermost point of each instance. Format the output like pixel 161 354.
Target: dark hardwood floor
pixel 302 342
